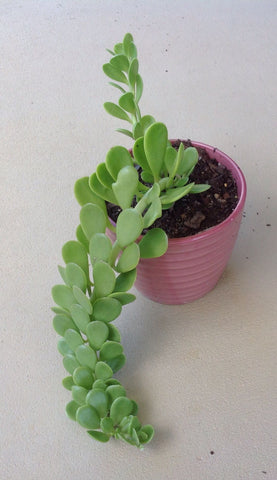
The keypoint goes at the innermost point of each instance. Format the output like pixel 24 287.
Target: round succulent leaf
pixel 134 66
pixel 139 87
pixel 175 194
pixel 104 176
pixel 128 38
pixel 99 189
pixel 75 252
pixel 110 350
pixel 76 276
pixel 73 339
pixel 84 194
pixel 70 363
pixel 100 248
pixel 82 238
pixel 115 391
pixel 79 394
pixel 120 62
pixel 114 73
pixel 99 400
pixel 106 309
pixel 147 177
pixel 82 299
pixel 129 258
pixel 92 219
pixel 118 48
pixel 170 159
pixel 117 158
pixel 99 385
pixel 87 417
pixel 127 102
pixel 153 212
pixel 123 297
pixel 139 154
pixel 71 409
pixel 68 382
pixel 153 244
pixel 116 111
pixel 83 377
pixel 80 316
pixel 125 281
pixel 155 145
pixel 128 227
pixel 86 356
pixel 61 323
pixel 106 425
pixel 97 333
pixel 103 371
pixel 60 310
pixel 63 274
pixel 99 436
pixel 112 381
pixel 64 348
pixel 135 407
pixel 120 408
pixel 117 363
pixel 147 430
pixel 188 162
pixel 126 186
pixel 104 279
pixel 63 296
pixel 114 334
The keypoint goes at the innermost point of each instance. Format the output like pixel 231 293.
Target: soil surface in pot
pixel 197 212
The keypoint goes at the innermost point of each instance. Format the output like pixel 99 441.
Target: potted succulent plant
pixel 101 264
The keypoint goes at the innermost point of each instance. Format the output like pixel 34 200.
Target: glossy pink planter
pixel 192 266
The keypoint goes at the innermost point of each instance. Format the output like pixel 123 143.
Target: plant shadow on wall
pixel 109 255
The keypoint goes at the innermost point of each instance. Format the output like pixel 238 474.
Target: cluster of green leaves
pixel 123 69
pixel 97 277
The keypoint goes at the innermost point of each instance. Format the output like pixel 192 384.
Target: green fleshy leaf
pixel 117 158
pixel 76 276
pixel 103 371
pixel 149 431
pixel 117 363
pixel 123 297
pixel 82 299
pixel 134 66
pixel 114 73
pixel 139 87
pixel 114 333
pixel 120 62
pixel 107 425
pixel 139 154
pixel 127 102
pixel 63 348
pixel 127 40
pixel 170 159
pixel 104 192
pixel 61 323
pixel 129 258
pixel 63 296
pixel 82 238
pixel 84 194
pixel 86 356
pixel 75 252
pixel 97 333
pixel 73 339
pixel 125 281
pixel 110 350
pixel 60 310
pixel 153 244
pixel 62 273
pixel 118 48
pixel 147 177
pixel 175 194
pixel 71 409
pixel 115 391
pixel 125 132
pixel 79 394
pixel 155 145
pixel 129 227
pixel 189 160
pixel 104 176
pixel 83 377
pixel 92 220
pixel 120 408
pixel 80 316
pixel 106 309
pixel 116 111
pixel 126 186
pixel 153 212
pixel 70 363
pixel 104 279
pixel 117 86
pixel 99 400
pixel 68 382
pixel 100 248
pixel 99 385
pixel 199 188
pixel 99 436
pixel 87 417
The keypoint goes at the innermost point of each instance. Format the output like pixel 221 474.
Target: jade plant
pixel 99 273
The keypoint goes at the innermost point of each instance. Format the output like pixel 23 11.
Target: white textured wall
pixel 204 374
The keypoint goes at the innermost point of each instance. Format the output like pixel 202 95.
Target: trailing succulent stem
pixel 97 276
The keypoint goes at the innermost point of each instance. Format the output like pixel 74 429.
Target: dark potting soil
pixel 197 212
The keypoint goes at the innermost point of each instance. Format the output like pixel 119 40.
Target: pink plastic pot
pixel 192 266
